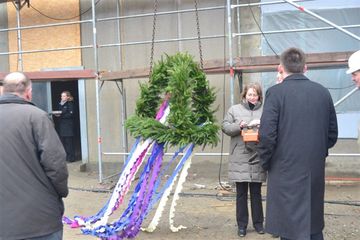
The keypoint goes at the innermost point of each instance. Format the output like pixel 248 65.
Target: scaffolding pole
pixel 44 25
pixel 231 62
pixel 109 19
pixel 20 66
pixel 161 13
pixel 113 45
pixel 121 87
pixel 238 28
pixel 301 8
pixel 175 40
pixel 264 3
pixel 293 30
pixel 345 97
pixel 97 90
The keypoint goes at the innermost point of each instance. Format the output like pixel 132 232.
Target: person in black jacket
pixel 1 87
pixel 66 124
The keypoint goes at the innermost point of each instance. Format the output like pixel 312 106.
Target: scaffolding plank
pixel 245 64
pixel 217 66
pixel 125 74
pixel 65 75
pixel 314 61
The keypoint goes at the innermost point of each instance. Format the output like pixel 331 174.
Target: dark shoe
pixel 260 230
pixel 274 236
pixel 241 232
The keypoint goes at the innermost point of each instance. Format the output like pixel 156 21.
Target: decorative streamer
pixel 123 185
pixel 166 192
pixel 190 122
pixel 178 189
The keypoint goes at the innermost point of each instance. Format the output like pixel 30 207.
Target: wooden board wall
pixel 45 38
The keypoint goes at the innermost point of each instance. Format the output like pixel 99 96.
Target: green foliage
pixel 191 119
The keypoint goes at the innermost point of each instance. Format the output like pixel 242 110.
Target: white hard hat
pixel 354 62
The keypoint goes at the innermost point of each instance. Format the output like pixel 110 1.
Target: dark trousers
pixel 317 236
pixel 68 143
pixel 242 215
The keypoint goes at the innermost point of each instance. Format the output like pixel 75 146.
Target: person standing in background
pixel 243 170
pixel 66 124
pixel 33 171
pixel 298 126
pixel 354 67
pixel 1 87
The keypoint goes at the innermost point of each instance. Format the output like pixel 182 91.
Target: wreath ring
pixel 191 119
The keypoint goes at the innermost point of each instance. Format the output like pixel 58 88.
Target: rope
pixel 153 37
pixel 198 34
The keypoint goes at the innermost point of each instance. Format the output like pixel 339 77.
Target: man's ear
pixel 28 94
pixel 305 69
pixel 280 76
pixel 280 69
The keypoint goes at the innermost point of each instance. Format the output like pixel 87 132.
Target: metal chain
pixel 153 37
pixel 198 33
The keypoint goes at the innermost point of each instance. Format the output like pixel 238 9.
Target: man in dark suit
pixel 298 126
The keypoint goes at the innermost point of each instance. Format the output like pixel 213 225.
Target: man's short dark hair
pixel 293 60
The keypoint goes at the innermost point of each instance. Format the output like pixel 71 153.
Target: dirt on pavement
pixel 207 211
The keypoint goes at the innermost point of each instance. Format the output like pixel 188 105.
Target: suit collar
pixel 296 76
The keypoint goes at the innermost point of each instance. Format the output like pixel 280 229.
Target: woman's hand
pixel 254 123
pixel 243 124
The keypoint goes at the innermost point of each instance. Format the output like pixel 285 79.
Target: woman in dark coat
pixel 241 171
pixel 66 124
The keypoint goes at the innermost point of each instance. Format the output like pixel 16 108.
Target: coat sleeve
pixel 69 112
pixel 333 127
pixel 52 154
pixel 268 131
pixel 229 125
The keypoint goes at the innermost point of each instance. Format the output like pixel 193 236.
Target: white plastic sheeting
pixel 342 13
pixel 312 4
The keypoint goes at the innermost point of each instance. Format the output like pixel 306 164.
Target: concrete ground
pixel 207 211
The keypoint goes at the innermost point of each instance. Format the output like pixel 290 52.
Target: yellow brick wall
pixel 45 38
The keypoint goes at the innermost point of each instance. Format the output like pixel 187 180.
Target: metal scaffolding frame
pixel 300 8
pixel 95 46
pixel 291 2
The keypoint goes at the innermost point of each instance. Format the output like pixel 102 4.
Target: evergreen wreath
pixel 191 119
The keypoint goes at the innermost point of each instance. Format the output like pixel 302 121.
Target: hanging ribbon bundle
pixel 190 122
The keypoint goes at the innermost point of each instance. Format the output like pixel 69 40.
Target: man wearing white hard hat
pixel 354 67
